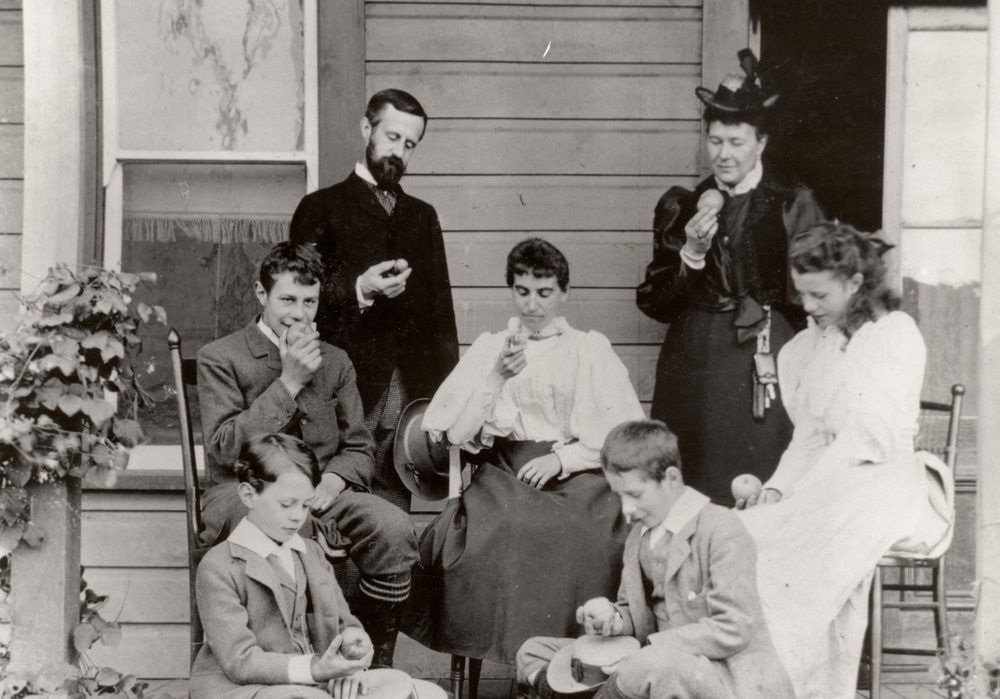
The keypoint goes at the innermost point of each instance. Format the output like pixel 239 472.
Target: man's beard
pixel 387 171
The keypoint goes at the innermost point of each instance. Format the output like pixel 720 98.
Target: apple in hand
pixel 296 331
pixel 355 643
pixel 711 199
pixel 746 486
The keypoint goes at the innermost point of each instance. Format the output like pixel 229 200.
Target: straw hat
pixel 577 667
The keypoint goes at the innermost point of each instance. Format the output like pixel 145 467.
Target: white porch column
pixel 988 505
pixel 58 191
pixel 55 143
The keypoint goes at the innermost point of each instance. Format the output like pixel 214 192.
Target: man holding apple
pixel 276 375
pixel 386 293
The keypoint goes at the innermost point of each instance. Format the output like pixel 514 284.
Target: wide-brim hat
pixel 739 94
pixel 577 667
pixel 422 464
pixel 386 683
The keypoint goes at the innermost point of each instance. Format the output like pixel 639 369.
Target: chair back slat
pixel 939 426
pixel 186 375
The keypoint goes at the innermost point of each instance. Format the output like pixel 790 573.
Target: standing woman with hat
pixel 719 277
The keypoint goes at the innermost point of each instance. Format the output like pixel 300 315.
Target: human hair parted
pixel 641 445
pixel 539 258
pixel 266 456
pixel 841 249
pixel 401 100
pixel 301 260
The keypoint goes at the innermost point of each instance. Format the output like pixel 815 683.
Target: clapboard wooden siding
pixel 520 34
pixel 660 148
pixel 11 156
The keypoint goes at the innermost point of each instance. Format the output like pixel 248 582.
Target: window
pixel 209 144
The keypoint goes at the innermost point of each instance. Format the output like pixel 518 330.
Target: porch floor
pixel 497 681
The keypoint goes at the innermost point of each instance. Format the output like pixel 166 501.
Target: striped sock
pixel 392 589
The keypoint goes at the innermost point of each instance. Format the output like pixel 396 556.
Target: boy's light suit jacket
pixel 247 620
pixel 711 599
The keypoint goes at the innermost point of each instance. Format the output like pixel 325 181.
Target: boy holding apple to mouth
pixel 276 375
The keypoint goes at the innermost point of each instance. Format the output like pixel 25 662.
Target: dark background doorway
pixel 828 60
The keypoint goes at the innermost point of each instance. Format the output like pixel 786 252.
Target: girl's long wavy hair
pixel 843 250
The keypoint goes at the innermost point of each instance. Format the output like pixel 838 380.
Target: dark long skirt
pixel 506 561
pixel 704 392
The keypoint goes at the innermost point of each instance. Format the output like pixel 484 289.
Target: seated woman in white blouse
pixel 538 532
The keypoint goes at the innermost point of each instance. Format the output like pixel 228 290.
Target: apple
pixel 746 486
pixel 355 643
pixel 711 199
pixel 296 331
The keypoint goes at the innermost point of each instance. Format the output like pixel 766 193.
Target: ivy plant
pixel 69 389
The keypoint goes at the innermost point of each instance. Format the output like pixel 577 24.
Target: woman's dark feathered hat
pixel 738 94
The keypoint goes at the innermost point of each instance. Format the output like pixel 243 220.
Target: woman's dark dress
pixel 485 586
pixel 704 376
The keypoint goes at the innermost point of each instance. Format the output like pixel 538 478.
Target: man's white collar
pixel 746 184
pixel 687 506
pixel 362 171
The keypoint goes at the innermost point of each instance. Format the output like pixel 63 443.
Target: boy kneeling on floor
pixel 688 592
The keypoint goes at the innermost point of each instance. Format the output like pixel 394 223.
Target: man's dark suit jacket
pixel 414 331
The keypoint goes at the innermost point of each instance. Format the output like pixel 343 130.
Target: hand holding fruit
pixel 387 278
pixel 334 663
pixel 703 225
pixel 749 491
pixel 300 356
pixel 355 643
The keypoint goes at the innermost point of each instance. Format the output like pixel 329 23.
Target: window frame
pixel 114 158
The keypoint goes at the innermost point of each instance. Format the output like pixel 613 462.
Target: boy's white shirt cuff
pixel 363 303
pixel 300 670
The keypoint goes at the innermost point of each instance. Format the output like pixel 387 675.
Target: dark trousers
pixel 377 535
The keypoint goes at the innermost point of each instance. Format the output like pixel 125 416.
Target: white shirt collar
pixel 746 184
pixel 687 506
pixel 362 171
pixel 249 536
pixel 265 329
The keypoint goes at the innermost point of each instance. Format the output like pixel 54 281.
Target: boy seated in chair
pixel 688 590
pixel 275 375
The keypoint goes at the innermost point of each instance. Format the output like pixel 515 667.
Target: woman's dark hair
pixel 760 120
pixel 266 456
pixel 641 445
pixel 843 250
pixel 539 258
pixel 301 260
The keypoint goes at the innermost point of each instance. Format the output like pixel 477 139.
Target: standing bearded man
pixel 386 296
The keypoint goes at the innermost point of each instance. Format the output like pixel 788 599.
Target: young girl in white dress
pixel 849 487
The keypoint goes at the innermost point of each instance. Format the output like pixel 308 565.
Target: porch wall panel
pixel 11 157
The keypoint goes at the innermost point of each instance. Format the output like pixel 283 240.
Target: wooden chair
pixel 938 434
pixel 185 375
